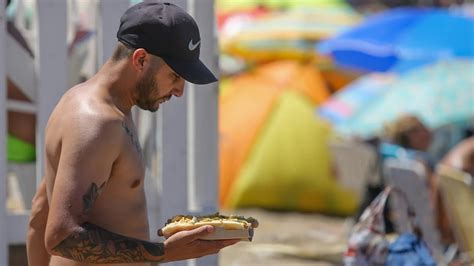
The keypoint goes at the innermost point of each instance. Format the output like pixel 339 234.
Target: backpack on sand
pixel 368 243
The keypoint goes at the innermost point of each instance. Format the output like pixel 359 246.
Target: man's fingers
pixel 199 232
pixel 190 235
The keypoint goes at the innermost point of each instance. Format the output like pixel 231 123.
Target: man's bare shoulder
pixel 85 101
pixel 82 116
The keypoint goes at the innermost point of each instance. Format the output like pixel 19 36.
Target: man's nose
pixel 178 91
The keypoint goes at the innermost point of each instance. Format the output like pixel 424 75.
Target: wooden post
pixel 3 141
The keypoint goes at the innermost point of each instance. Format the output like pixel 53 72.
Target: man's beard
pixel 145 88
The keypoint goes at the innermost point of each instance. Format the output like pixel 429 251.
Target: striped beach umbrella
pixel 353 98
pixel 288 34
pixel 440 94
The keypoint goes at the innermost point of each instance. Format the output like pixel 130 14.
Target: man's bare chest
pixel 128 170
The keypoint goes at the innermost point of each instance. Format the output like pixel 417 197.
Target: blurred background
pixel 321 105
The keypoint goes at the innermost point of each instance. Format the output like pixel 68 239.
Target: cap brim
pixel 193 71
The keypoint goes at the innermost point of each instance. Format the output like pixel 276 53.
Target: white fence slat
pixel 3 141
pixel 17 225
pixel 204 118
pixel 108 21
pixel 20 106
pixel 173 161
pixel 174 146
pixel 51 67
pixel 174 151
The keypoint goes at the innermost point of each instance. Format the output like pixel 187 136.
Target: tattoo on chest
pixel 93 244
pixel 91 195
pixel 133 138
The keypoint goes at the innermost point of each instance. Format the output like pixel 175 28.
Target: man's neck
pixel 116 83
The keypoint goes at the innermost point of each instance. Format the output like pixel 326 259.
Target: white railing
pixel 3 133
pixel 181 138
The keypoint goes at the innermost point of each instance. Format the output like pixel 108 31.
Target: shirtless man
pixel 94 169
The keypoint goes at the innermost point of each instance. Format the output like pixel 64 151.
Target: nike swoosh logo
pixel 192 46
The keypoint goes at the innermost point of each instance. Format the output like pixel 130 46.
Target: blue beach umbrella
pixel 408 37
pixel 440 94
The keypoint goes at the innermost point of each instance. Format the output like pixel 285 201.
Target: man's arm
pixel 93 244
pixel 87 155
pixel 35 247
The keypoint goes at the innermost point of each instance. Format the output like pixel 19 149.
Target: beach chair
pixel 410 177
pixel 457 190
pixel 356 164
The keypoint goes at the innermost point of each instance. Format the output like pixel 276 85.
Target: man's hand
pixel 187 244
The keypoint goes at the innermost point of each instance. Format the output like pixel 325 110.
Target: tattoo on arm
pixel 93 244
pixel 89 198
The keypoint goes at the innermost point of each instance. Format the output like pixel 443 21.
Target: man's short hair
pixel 122 52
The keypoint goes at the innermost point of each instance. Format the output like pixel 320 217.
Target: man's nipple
pixel 135 183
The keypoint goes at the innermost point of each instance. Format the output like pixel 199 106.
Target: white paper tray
pixel 221 233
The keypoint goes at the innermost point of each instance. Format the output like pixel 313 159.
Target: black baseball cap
pixel 167 31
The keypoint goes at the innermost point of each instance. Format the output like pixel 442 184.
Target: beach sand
pixel 289 238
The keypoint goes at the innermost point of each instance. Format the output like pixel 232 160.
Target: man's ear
pixel 139 59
